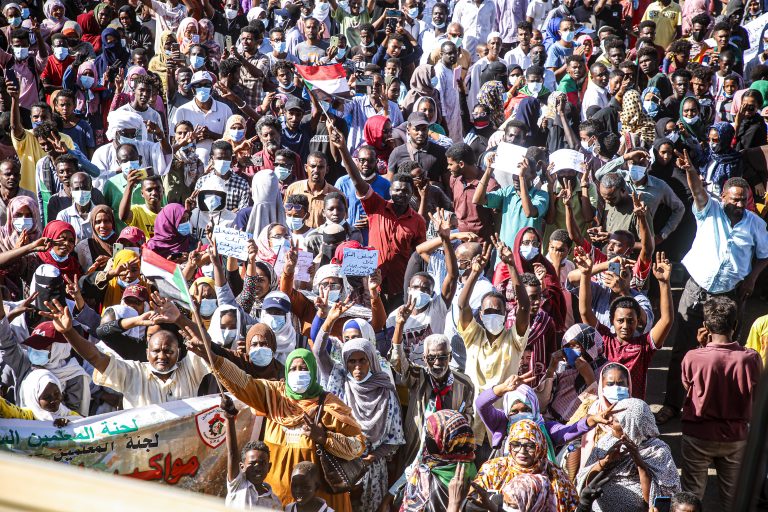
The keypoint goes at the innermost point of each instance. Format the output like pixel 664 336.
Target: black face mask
pixel 697 36
pixel 537 59
pixel 49 288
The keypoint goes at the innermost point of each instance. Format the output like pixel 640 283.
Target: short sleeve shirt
pixel 636 355
pixel 144 219
pixel 420 325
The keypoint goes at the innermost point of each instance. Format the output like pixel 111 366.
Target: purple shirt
pixel 497 422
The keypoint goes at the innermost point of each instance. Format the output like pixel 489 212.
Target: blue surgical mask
pixel 105 238
pixel 207 307
pixel 673 136
pixel 439 25
pixel 56 257
pixel 203 94
pixel 15 22
pixel 615 393
pixel 38 357
pixel 20 52
pixel 340 53
pixel 651 108
pixel 236 135
pixel 294 223
pixel 636 172
pixel 125 284
pixel 571 354
pixel 87 81
pixel 280 46
pixel 421 299
pixel 222 166
pixel 413 12
pixel 25 13
pixel 184 229
pixel 434 81
pixel 457 41
pixel 568 36
pixel 197 61
pixel 334 296
pixel 129 166
pixel 282 172
pixel 521 416
pixel 128 140
pixel 529 252
pixel 228 335
pixel 261 356
pixel 60 52
pixel 81 197
pixel 275 322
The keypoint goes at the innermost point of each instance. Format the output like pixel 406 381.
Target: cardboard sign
pixel 232 242
pixel 302 265
pixel 359 262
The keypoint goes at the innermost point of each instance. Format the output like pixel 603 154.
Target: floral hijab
pixel 492 96
pixel 634 120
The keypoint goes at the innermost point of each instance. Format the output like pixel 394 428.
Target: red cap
pixel 132 235
pixel 137 292
pixel 43 336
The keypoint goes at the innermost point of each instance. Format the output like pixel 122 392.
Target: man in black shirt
pixel 420 149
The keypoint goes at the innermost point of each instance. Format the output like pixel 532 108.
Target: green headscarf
pixel 762 87
pixel 314 389
pixel 697 129
pixel 100 7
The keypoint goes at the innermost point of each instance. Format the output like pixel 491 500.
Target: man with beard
pixel 418 148
pixel 269 131
pixel 394 228
pixel 729 252
pixel 315 188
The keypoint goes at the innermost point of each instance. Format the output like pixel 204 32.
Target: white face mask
pixel 673 136
pixel 535 87
pixel 81 197
pixel 165 372
pixel 636 172
pixel 212 202
pixel 421 298
pixel 261 356
pixel 493 322
pixel 690 120
pixel 299 381
pixel 22 223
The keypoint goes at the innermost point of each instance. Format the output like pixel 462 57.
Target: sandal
pixel 665 414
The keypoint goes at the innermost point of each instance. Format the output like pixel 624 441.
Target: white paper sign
pixel 232 242
pixel 359 262
pixel 302 265
pixel 508 156
pixel 566 159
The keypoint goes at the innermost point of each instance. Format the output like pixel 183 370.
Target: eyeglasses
pixel 432 359
pixel 293 207
pixel 280 237
pixel 515 446
pixel 532 243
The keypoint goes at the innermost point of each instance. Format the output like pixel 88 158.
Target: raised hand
pixel 603 418
pixel 291 257
pixel 59 315
pixel 506 254
pixel 457 488
pixel 639 208
pixel 228 406
pixel 582 260
pixel 540 271
pixel 479 262
pixel 339 308
pixel 193 343
pixel 374 281
pixel 314 431
pixel 22 308
pixel 165 310
pixel 512 383
pixel 405 311
pixel 99 263
pixel 662 268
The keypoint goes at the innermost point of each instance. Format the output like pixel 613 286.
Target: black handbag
pixel 340 475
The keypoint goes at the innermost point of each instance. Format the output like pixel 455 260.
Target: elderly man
pixel 431 388
pixel 162 379
pixel 474 80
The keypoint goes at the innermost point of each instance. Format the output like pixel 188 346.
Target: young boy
pixel 246 489
pixel 305 478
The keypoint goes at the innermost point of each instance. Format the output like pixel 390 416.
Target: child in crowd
pixel 305 479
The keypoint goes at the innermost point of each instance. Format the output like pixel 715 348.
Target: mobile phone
pixel 392 24
pixel 334 42
pixel 144 172
pixel 10 75
pixel 394 13
pixel 615 267
pixel 662 503
pixel 117 247
pixel 363 83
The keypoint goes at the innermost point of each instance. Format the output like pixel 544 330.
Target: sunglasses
pixel 293 207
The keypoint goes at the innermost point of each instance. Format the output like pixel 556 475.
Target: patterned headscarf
pixel 587 336
pixel 449 439
pixel 525 395
pixel 529 493
pixel 492 96
pixel 634 120
pixel 726 158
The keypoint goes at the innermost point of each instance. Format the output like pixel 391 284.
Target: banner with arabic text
pixel 179 443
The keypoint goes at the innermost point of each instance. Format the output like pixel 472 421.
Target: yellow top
pixel 758 338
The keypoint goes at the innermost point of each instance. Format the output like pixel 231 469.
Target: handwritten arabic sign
pixel 179 443
pixel 302 265
pixel 232 242
pixel 566 159
pixel 359 262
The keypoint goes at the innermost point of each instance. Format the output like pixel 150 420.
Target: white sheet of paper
pixel 302 265
pixel 232 242
pixel 359 262
pixel 508 156
pixel 566 159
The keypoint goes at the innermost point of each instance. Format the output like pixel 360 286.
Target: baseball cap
pixel 418 119
pixel 134 236
pixel 294 102
pixel 277 300
pixel 202 76
pixel 43 336
pixel 136 291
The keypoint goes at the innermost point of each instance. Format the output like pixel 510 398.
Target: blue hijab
pixel 727 160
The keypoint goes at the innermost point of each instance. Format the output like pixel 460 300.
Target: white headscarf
pixel 253 14
pixel 286 335
pixel 125 120
pixel 214 329
pixel 31 389
pixel 267 201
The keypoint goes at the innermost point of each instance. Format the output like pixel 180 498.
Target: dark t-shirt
pixel 611 16
pixel 432 160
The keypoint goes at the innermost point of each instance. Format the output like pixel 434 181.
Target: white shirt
pixel 594 95
pixel 478 23
pixel 105 158
pixel 215 120
pixel 242 495
pixel 517 56
pixel 430 41
pixel 83 228
pixel 140 386
pixel 420 325
pixel 538 10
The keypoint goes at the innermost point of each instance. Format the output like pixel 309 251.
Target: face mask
pixel 369 45
pixel 493 322
pixel 60 52
pixel 196 38
pixel 38 357
pixel 651 108
pixel 294 223
pixel 81 197
pixel 279 46
pixel 184 229
pixel 207 270
pixel 636 172
pixel 212 203
pixel 207 307
pixel 105 238
pixel 340 53
pixel 282 172
pixel 165 372
pixel 56 257
pixel 275 322
pixel 456 41
pixel 713 146
pixel 261 356
pixel 421 298
pixel 690 120
pixel 439 25
pixel 528 251
pixel 727 95
pixel 197 61
pixel 344 6
pixel 236 135
pixel 568 36
pixel 127 167
pixel 673 136
pixel 434 81
pixel 87 81
pixel 697 36
pixel 413 12
pixel 333 296
pixel 15 22
pixel 222 166
pixel 125 284
pixel 280 246
pixel 229 335
pixel 521 416
pixel 299 381
pixel 22 223
pixel 535 87
pixel 585 145
pixel 230 13
pixel 25 13
pixel 615 393
pixel 481 122
pixel 571 354
pixel 20 52
pixel 203 94
pixel 127 140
